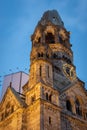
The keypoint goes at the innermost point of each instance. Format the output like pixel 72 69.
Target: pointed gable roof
pixel 16 95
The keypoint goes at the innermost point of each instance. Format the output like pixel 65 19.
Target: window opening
pixel 50 98
pixel 38 54
pixel 68 70
pixel 39 39
pixel 78 108
pixel 54 55
pixel 50 121
pixel 68 105
pixel 48 71
pixel 50 38
pixel 33 98
pixel 40 70
pixel 46 96
pixel 47 55
pixel 41 55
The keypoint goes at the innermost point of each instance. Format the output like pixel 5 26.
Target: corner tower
pixel 51 55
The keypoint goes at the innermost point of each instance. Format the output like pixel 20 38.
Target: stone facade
pixel 54 98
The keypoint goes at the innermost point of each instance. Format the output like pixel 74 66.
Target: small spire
pixel 52 16
pixel 10 84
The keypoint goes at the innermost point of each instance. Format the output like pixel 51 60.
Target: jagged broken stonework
pixel 54 98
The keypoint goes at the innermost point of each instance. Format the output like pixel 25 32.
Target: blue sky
pixel 18 19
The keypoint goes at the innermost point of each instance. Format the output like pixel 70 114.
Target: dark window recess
pixel 46 96
pixel 47 55
pixel 68 70
pixel 55 56
pixel 78 108
pixel 40 70
pixel 68 61
pixel 50 121
pixel 39 39
pixel 86 116
pixel 49 38
pixel 38 54
pixel 32 98
pixel 48 71
pixel 68 106
pixel 41 55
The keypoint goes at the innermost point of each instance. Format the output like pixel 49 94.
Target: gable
pixel 11 100
pixel 75 92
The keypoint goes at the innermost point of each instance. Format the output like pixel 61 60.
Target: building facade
pixel 17 81
pixel 54 98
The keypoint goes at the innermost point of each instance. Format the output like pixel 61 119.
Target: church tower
pixel 51 55
pixel 52 77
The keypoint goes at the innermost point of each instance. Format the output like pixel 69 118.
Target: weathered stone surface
pixel 54 98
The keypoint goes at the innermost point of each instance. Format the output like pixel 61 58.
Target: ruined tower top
pixel 53 17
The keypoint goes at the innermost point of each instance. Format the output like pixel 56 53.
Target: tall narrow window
pixel 50 120
pixel 78 108
pixel 68 105
pixel 86 116
pixel 46 96
pixel 48 71
pixel 40 70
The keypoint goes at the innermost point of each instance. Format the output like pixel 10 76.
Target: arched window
pixel 78 107
pixel 40 70
pixel 49 38
pixel 68 106
pixel 46 96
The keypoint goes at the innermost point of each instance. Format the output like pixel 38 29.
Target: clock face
pixel 69 71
